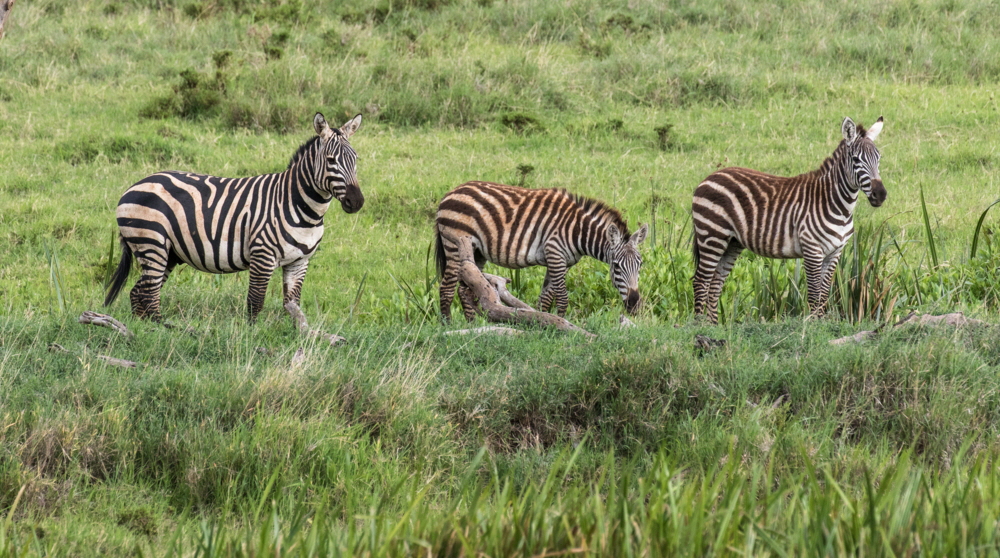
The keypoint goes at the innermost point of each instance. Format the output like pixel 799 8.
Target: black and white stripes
pixel 224 225
pixel 518 227
pixel 810 216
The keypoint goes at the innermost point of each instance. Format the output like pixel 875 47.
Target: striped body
pixel 810 216
pixel 225 225
pixel 519 227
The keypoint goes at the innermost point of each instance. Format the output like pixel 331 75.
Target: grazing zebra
pixel 810 216
pixel 224 225
pixel 519 227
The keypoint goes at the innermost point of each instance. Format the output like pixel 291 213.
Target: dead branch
pixel 500 284
pixel 5 7
pixel 856 338
pixel 302 325
pixel 118 361
pixel 498 330
pixel 298 358
pixel 954 319
pixel 57 348
pixel 624 322
pixel 103 320
pixel 487 297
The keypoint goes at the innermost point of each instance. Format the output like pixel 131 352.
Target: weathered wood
pixel 856 338
pixel 953 319
pixel 5 7
pixel 118 362
pixel 302 325
pixel 488 299
pixel 498 330
pixel 500 284
pixel 624 322
pixel 298 358
pixel 103 320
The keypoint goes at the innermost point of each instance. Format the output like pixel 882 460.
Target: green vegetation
pixel 409 441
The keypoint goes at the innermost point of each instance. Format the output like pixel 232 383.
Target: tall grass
pixel 732 508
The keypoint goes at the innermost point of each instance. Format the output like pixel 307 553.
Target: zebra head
pixel 335 162
pixel 625 261
pixel 864 157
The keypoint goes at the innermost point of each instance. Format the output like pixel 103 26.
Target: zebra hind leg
pixel 449 281
pixel 722 270
pixel 820 283
pixel 145 295
pixel 262 266
pixel 708 252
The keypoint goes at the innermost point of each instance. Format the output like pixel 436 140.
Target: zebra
pixel 517 227
pixel 810 216
pixel 225 225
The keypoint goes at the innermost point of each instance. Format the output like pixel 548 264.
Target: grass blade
pixel 927 228
pixel 979 226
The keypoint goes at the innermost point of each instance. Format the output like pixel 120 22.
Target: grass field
pixel 408 441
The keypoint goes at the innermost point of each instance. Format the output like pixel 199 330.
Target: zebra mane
pixel 302 149
pixel 602 210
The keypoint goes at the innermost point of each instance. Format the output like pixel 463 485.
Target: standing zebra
pixel 224 225
pixel 518 227
pixel 810 216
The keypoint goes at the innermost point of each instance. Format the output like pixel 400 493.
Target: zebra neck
pixel 597 245
pixel 834 177
pixel 311 202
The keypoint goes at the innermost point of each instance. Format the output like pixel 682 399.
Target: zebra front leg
pixel 545 298
pixel 261 268
pixel 826 272
pixel 555 281
pixel 292 276
pixel 814 264
pixel 561 294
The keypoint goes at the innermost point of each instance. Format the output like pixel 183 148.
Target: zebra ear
pixel 850 131
pixel 875 130
pixel 322 128
pixel 351 126
pixel 614 235
pixel 638 236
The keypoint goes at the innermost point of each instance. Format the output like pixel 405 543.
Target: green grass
pixel 408 441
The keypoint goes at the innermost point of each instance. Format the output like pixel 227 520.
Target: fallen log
pixel 953 319
pixel 103 320
pixel 498 330
pixel 484 296
pixel 302 325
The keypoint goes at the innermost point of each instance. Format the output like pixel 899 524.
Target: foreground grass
pixel 414 439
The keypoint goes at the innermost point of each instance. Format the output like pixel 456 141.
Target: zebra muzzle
pixel 633 302
pixel 353 200
pixel 878 194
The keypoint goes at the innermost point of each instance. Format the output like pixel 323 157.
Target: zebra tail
pixel 121 274
pixel 439 256
pixel 697 254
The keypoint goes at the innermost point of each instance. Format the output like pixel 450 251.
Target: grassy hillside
pixel 407 440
